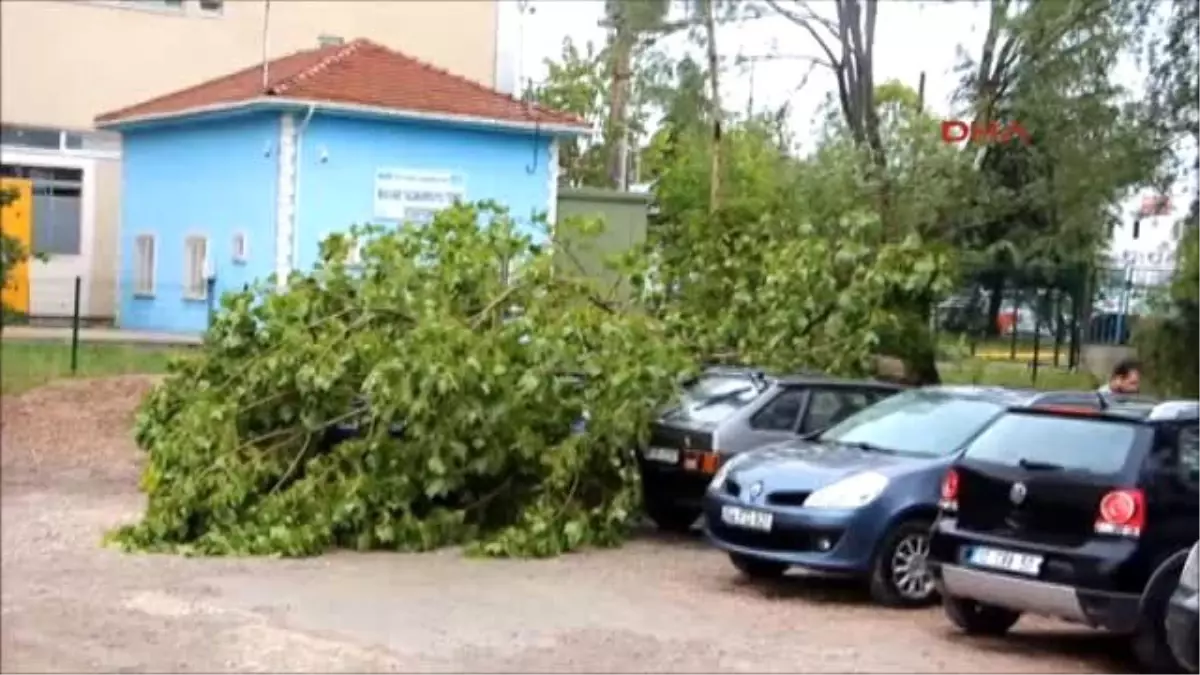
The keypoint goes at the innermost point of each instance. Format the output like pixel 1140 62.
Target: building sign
pixel 415 195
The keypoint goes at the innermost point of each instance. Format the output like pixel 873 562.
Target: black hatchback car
pixel 1081 514
pixel 726 411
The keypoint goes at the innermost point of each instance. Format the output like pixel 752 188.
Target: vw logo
pixel 1017 493
pixel 756 490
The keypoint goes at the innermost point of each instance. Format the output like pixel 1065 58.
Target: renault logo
pixel 1017 493
pixel 756 490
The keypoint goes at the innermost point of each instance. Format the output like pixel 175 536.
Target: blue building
pixel 241 177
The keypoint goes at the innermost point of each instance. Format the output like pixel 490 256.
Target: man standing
pixel 1126 379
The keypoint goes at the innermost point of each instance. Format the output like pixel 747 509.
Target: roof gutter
pixel 276 102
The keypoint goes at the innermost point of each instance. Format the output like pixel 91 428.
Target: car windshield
pixel 1055 443
pixel 919 423
pixel 711 399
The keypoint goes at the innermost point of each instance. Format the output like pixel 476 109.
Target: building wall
pixel 214 179
pixel 338 159
pixel 64 62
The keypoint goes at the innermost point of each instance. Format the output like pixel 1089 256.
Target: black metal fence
pixel 1042 319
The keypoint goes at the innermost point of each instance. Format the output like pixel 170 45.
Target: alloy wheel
pixel 909 571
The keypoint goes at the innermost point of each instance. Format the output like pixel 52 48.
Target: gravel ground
pixel 656 605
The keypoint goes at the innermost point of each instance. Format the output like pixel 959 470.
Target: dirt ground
pixel 656 605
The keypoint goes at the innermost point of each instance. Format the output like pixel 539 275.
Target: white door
pixel 63 222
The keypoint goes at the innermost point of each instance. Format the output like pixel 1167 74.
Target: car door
pixel 1175 487
pixel 775 421
pixel 829 405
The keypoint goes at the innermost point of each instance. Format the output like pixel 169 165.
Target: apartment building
pixel 63 62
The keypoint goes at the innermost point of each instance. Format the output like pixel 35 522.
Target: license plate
pixel 663 455
pixel 1009 561
pixel 746 518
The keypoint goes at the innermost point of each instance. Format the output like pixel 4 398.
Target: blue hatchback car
pixel 859 498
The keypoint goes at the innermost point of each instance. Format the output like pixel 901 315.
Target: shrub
pixel 461 332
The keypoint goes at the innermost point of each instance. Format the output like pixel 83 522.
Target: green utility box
pixel 624 215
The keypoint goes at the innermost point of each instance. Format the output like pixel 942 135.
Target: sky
pixel 912 36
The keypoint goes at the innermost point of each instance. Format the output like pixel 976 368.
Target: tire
pixel 977 618
pixel 900 576
pixel 1149 641
pixel 671 518
pixel 757 568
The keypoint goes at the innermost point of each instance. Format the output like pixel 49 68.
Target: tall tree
pixel 629 22
pixel 706 9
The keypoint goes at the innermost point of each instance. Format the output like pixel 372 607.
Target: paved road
pixel 657 605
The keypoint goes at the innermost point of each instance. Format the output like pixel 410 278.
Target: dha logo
pixel 954 131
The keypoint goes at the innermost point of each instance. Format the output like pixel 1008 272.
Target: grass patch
pixel 28 364
pixel 1014 374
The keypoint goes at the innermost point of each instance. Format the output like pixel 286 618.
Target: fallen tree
pixel 444 347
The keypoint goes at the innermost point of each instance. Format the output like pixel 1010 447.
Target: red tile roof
pixel 357 73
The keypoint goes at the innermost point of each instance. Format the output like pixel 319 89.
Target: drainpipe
pixel 296 187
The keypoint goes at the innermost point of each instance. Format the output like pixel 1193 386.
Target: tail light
pixel 1123 513
pixel 949 500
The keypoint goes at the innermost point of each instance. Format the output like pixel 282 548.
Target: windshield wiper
pixel 1034 465
pixel 867 447
pixel 721 398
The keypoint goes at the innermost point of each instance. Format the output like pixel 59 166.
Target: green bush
pixel 434 330
pixel 1167 343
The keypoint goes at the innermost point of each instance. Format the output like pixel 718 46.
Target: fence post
pixel 75 327
pixel 1016 323
pixel 1058 323
pixel 1037 335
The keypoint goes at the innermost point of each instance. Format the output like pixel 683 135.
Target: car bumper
pixel 1183 628
pixel 1116 612
pixel 825 540
pixel 674 485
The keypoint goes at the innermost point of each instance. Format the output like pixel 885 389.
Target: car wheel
pixel 671 518
pixel 757 568
pixel 1149 642
pixel 900 576
pixel 977 618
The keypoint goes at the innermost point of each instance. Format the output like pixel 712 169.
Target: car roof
pixel 799 377
pixel 1137 409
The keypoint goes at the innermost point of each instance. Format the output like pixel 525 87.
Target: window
pixel 195 263
pixel 241 249
pixel 143 271
pixel 827 407
pixel 1189 453
pixel 30 137
pixel 212 6
pixel 711 399
pixel 919 423
pixel 1092 445
pixel 57 207
pixel 781 413
pixel 355 255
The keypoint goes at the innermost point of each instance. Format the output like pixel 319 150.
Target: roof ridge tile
pixel 316 69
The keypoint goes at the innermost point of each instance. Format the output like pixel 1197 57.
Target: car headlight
pixel 722 473
pixel 849 493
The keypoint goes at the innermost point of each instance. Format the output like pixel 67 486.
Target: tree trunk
pixel 622 55
pixel 710 27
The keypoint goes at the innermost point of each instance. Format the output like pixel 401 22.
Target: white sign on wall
pixel 414 195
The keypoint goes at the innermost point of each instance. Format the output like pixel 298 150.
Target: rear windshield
pixel 711 399
pixel 919 423
pixel 1056 442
